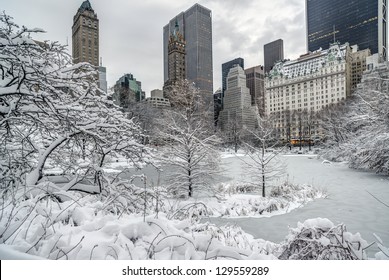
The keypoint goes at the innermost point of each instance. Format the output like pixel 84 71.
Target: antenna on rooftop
pixel 101 61
pixel 67 41
pixel 333 27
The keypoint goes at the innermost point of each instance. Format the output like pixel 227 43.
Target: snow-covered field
pixel 86 229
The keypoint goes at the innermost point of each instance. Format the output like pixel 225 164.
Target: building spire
pixel 176 29
pixel 85 6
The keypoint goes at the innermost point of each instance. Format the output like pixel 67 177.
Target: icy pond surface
pixel 348 200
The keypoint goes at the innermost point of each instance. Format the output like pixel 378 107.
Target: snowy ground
pixel 348 200
pixel 88 230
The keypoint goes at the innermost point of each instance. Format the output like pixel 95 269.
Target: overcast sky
pixel 131 30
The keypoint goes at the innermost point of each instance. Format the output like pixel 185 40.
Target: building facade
pixel 103 78
pixel 85 35
pixel 127 90
pixel 157 99
pixel 361 22
pixel 296 90
pixel 358 65
pixel 85 40
pixel 273 52
pixel 255 81
pixel 176 60
pixel 195 24
pixel 237 111
pixel 226 69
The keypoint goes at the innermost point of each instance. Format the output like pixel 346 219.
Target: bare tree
pixel 187 129
pixel 265 163
pixel 309 121
pixel 232 133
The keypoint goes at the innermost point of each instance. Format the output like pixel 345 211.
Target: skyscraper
pixel 85 35
pixel 237 111
pixel 196 26
pixel 255 82
pixel 176 60
pixel 226 69
pixel 273 52
pixel 358 22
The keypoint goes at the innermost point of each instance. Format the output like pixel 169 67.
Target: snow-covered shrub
pixel 189 211
pixel 295 192
pixel 357 131
pixel 233 236
pixel 235 188
pixel 53 115
pixel 320 239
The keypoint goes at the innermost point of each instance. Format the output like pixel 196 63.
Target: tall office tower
pixel 196 26
pixel 85 35
pixel 103 78
pixel 237 111
pixel 358 22
pixel 176 60
pixel 273 52
pixel 226 69
pixel 255 77
pixel 127 90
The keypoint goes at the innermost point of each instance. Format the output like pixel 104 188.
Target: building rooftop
pixel 85 6
pixel 308 63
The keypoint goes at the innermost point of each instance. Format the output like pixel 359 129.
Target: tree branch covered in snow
pixel 186 130
pixel 358 130
pixel 53 114
pixel 265 164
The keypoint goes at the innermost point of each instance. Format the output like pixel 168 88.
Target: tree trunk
pixel 263 170
pixel 190 191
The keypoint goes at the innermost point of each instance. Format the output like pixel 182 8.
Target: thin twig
pixel 378 199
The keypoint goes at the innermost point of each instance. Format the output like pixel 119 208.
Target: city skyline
pixel 139 48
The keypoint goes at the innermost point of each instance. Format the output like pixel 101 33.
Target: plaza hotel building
pixel 297 90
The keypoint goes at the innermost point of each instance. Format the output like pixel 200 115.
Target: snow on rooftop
pixel 309 63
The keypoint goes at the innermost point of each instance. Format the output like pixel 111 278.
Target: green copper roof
pixel 85 6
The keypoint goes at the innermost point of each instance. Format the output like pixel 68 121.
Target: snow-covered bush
pixel 52 113
pixel 192 211
pixel 320 239
pixel 357 131
pixel 295 192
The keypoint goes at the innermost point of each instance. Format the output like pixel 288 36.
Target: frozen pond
pixel 348 201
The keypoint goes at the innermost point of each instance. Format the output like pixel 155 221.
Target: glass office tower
pixel 196 26
pixel 358 22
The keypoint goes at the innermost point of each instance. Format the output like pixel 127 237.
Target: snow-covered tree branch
pixel 187 131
